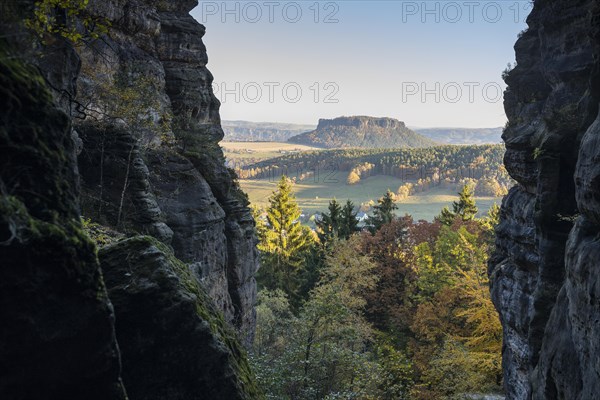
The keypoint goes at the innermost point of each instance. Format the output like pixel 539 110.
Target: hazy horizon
pixel 374 116
pixel 430 64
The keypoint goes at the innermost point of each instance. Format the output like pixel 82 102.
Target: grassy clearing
pixel 427 205
pixel 315 196
pixel 260 150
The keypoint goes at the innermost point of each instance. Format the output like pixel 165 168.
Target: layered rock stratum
pixel 57 333
pixel 122 130
pixel 546 270
pixel 167 177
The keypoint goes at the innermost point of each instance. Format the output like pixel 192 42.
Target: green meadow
pixel 314 196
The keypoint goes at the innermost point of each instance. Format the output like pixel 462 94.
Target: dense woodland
pixel 420 169
pixel 400 310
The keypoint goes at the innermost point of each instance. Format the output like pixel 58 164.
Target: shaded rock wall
pixel 58 337
pixel 173 343
pixel 168 180
pixel 545 272
pixel 57 332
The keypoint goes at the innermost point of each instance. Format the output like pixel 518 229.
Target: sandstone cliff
pixel 184 280
pixel 164 174
pixel 57 330
pixel 545 272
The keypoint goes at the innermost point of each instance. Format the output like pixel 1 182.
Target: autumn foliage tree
pixel 386 307
pixel 457 333
pixel 403 312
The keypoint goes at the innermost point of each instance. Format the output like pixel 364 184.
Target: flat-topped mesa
pixel 362 131
pixel 362 122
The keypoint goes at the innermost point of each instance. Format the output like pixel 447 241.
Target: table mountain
pixel 361 131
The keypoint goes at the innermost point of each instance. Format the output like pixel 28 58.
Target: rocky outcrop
pixel 148 161
pixel 361 131
pixel 174 345
pixel 164 175
pixel 57 330
pixel 116 183
pixel 545 276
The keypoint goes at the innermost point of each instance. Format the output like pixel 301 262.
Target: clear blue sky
pixel 428 63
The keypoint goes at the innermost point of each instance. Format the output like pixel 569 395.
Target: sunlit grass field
pixel 315 196
pixel 260 150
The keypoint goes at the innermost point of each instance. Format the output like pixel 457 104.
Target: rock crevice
pixel 181 288
pixel 166 178
pixel 544 274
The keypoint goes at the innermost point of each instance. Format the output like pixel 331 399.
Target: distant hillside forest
pixel 246 131
pixel 462 135
pixel 420 169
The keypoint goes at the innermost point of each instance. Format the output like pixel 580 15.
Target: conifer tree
pixel 446 217
pixel 338 223
pixel 349 222
pixel 330 223
pixel 493 215
pixel 465 207
pixel 283 243
pixel 383 213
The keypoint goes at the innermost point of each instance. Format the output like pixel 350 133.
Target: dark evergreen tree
pixel 383 213
pixel 465 208
pixel 339 223
pixel 330 223
pixel 349 222
pixel 314 262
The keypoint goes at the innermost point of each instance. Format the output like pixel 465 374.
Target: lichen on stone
pixel 162 309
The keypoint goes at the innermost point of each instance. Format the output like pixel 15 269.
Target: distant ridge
pixel 246 131
pixel 463 135
pixel 362 132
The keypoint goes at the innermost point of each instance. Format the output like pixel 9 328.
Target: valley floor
pixel 314 197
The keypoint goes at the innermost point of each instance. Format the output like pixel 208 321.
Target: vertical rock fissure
pixel 542 279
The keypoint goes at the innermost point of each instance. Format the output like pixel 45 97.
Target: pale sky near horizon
pixel 427 63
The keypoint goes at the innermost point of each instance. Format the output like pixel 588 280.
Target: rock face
pixel 144 161
pixel 360 131
pixel 57 330
pixel 164 175
pixel 173 344
pixel 545 272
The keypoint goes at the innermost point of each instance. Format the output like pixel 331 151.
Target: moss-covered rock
pixel 57 326
pixel 174 344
